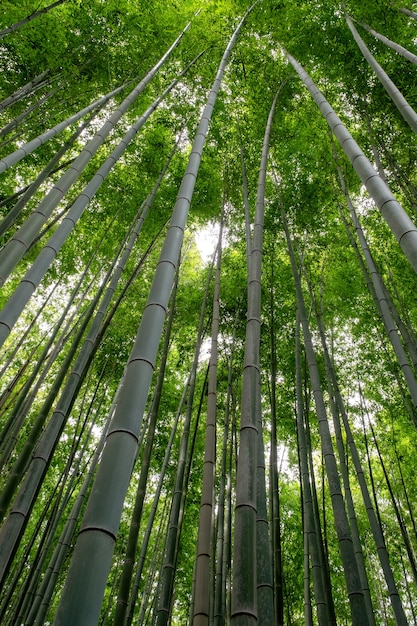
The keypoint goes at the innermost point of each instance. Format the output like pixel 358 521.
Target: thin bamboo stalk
pixel 309 524
pixel 407 12
pixel 351 572
pixel 392 90
pixel 14 27
pixel 19 154
pixel 203 562
pixel 13 214
pixel 392 44
pixel 21 92
pixel 20 243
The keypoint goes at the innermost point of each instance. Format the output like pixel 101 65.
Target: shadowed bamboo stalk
pixel 144 547
pixel 127 571
pixel 176 512
pixel 219 609
pixel 21 92
pixel 20 464
pixel 101 334
pixel 19 569
pixel 44 594
pixel 264 559
pixel 67 482
pixel 309 525
pixel 374 520
pixel 275 513
pixel 252 572
pixel 350 568
pixel 331 382
pixel 203 562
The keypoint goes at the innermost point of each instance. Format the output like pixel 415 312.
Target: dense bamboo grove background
pixel 208 396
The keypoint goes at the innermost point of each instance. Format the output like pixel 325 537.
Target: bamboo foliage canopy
pixel 208 256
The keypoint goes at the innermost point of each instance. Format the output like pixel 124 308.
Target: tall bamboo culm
pixel 82 595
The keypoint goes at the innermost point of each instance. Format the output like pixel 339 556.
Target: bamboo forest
pixel 208 312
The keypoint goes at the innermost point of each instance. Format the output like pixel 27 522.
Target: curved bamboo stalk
pixel 397 219
pixel 245 201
